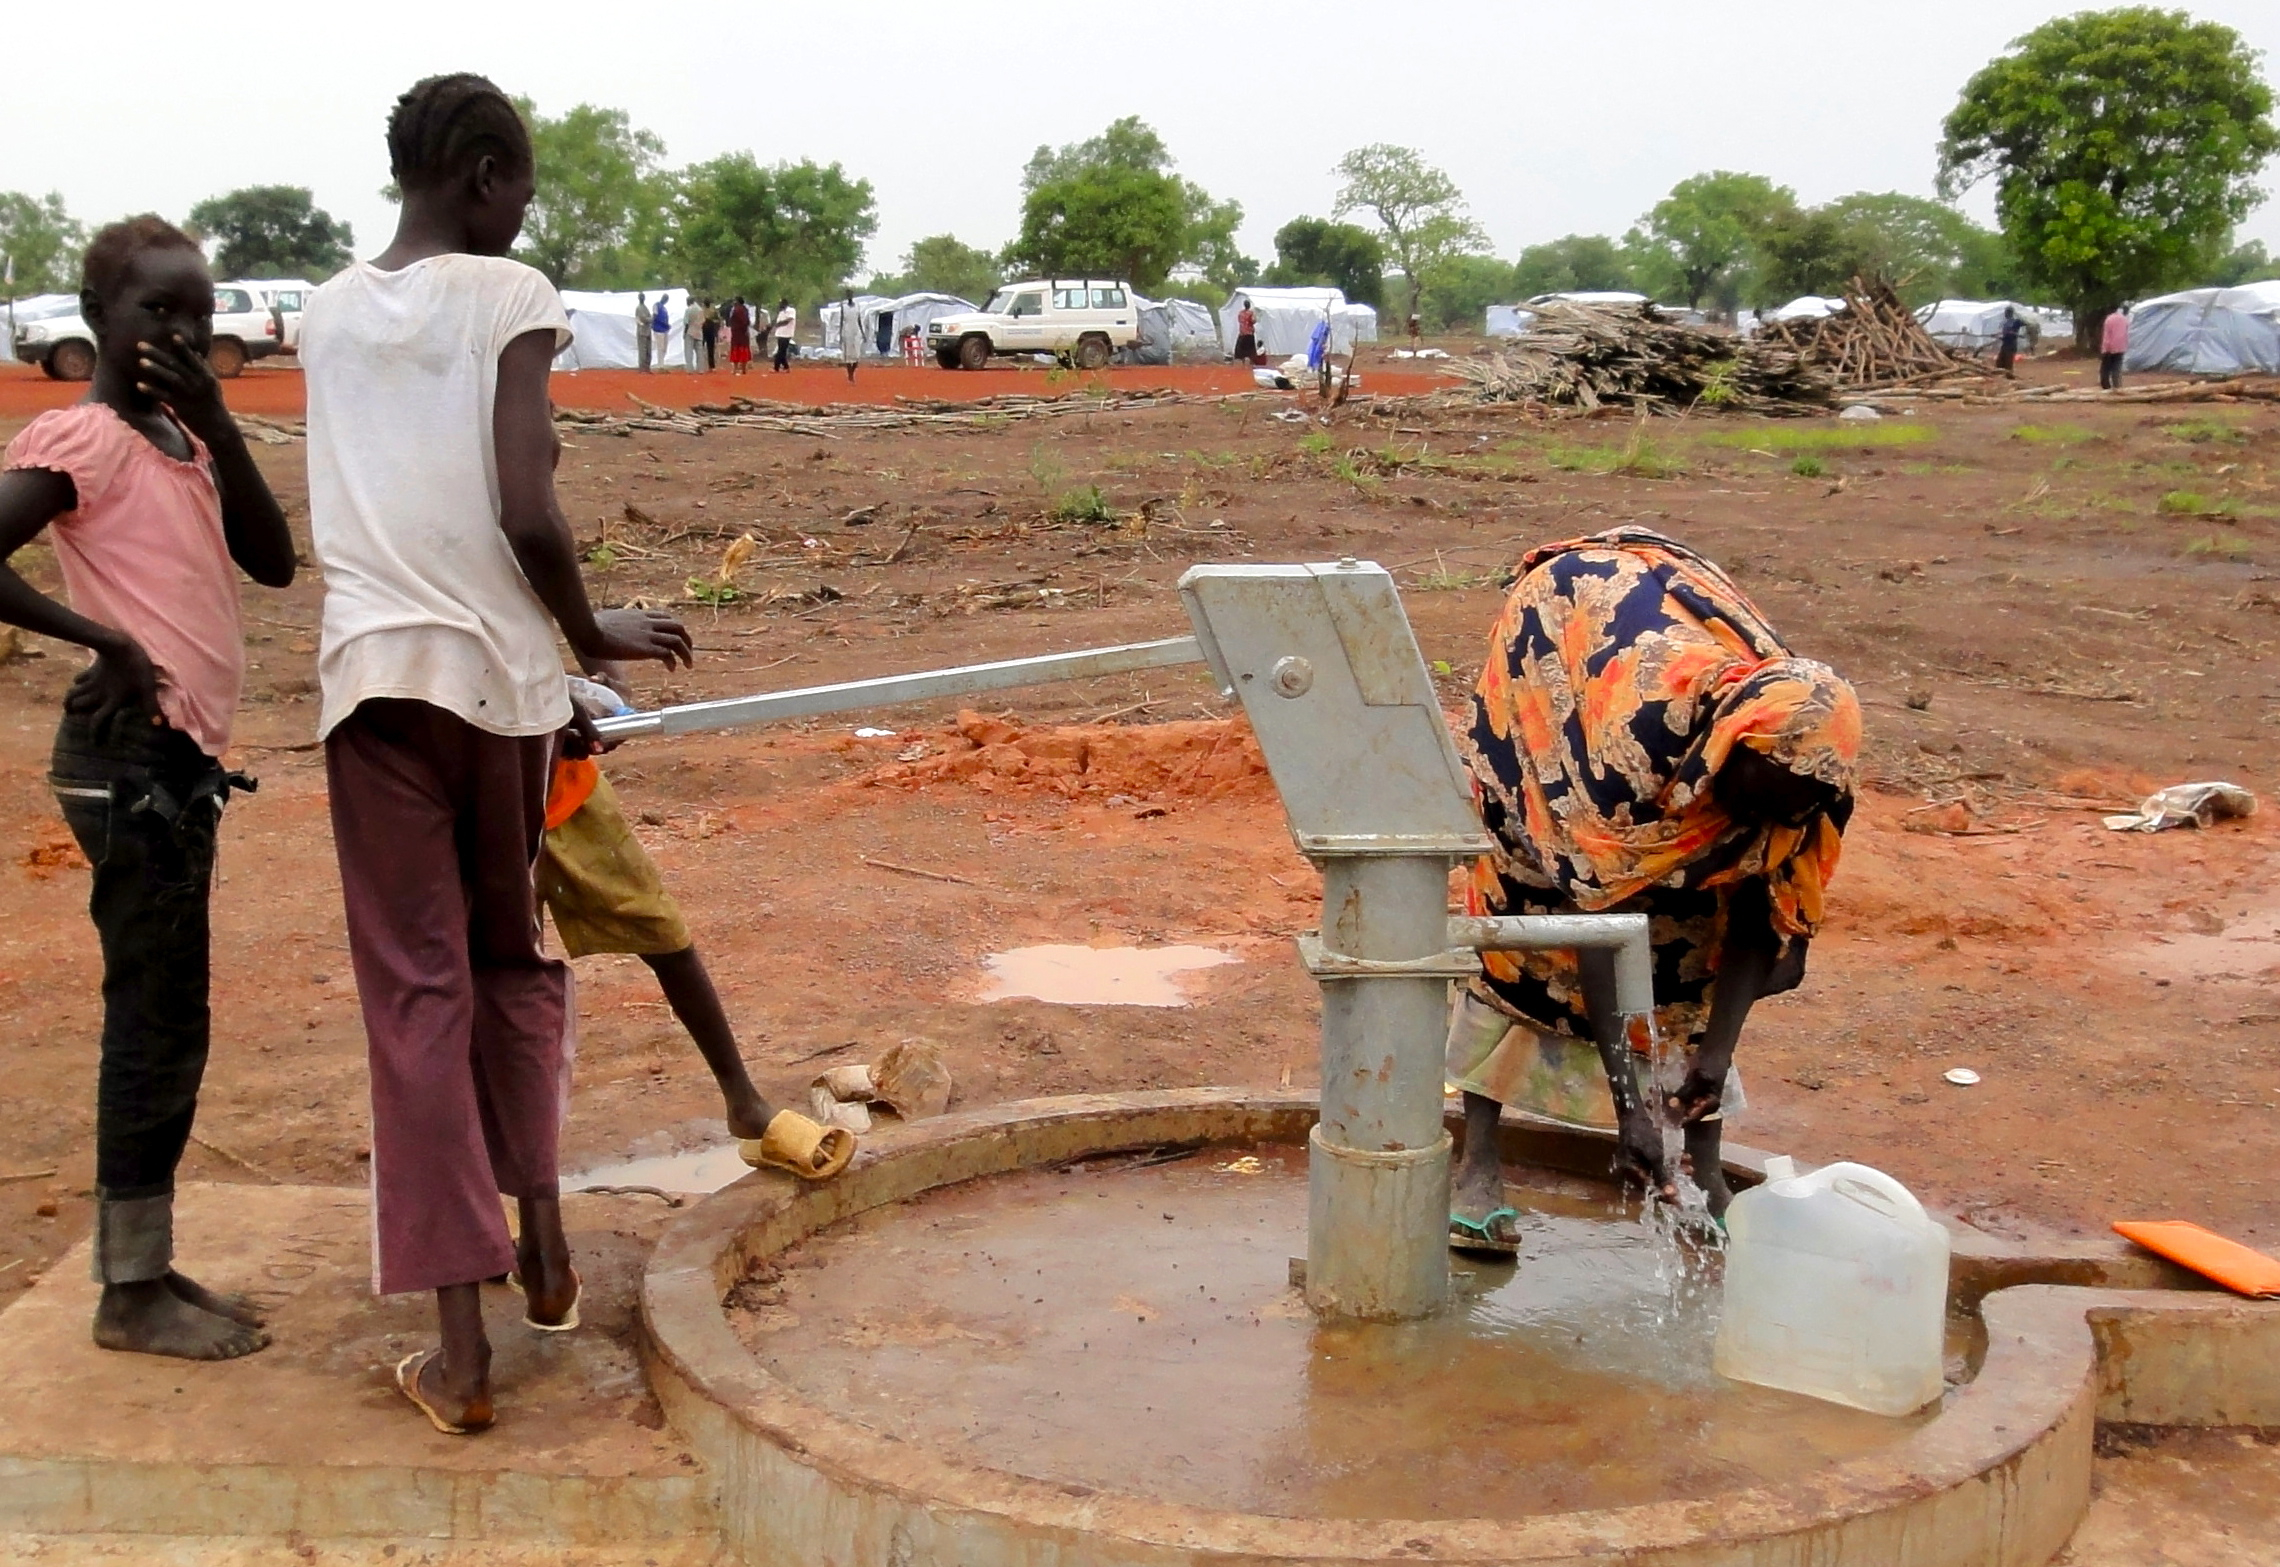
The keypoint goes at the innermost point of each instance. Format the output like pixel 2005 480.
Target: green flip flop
pixel 1479 1235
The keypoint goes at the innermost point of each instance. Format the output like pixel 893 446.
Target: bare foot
pixel 238 1308
pixel 149 1318
pixel 749 1117
pixel 542 1262
pixel 1476 1194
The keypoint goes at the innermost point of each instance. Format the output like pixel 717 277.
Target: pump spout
pixel 1624 934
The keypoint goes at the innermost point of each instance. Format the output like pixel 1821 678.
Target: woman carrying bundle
pixel 1642 742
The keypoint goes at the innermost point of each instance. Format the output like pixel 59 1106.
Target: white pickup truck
pixel 1084 319
pixel 245 328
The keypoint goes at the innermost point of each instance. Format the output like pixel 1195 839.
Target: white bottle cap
pixel 1781 1167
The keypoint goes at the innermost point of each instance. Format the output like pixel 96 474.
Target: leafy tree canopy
pixel 2123 145
pixel 42 241
pixel 2243 263
pixel 1322 253
pixel 1460 291
pixel 1699 240
pixel 1067 221
pixel 788 229
pixel 1926 249
pixel 273 231
pixel 1575 263
pixel 942 264
pixel 601 199
pixel 1419 211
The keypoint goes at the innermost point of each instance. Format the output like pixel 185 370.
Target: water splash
pixel 1684 1241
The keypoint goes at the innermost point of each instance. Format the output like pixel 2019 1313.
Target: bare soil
pixel 2043 618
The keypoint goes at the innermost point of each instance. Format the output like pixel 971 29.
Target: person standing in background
pixel 641 331
pixel 712 338
pixel 2113 344
pixel 2007 346
pixel 739 337
pixel 786 323
pixel 693 334
pixel 850 335
pixel 1246 335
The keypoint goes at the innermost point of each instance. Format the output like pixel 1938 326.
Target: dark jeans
pixel 2110 372
pixel 783 353
pixel 144 803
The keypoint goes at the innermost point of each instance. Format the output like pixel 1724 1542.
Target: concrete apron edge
pixel 2000 1476
pixel 103 1495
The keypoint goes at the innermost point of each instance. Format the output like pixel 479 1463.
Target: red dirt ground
pixel 275 389
pixel 2045 612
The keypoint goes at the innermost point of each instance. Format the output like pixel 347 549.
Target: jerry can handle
pixel 1874 1189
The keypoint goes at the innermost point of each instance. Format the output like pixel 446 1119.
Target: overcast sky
pixel 1552 118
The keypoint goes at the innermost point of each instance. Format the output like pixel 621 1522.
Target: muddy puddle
pixel 1099 976
pixel 702 1170
pixel 1132 1328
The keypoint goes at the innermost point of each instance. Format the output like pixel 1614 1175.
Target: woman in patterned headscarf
pixel 1642 741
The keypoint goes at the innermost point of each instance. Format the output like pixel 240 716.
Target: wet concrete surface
pixel 1130 1326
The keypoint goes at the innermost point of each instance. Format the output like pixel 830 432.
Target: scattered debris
pixel 906 412
pixel 2185 805
pixel 1961 1076
pixel 1594 356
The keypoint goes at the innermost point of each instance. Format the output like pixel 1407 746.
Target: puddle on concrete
pixel 1132 1328
pixel 1098 976
pixel 704 1170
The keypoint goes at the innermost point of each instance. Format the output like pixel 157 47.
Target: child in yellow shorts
pixel 606 896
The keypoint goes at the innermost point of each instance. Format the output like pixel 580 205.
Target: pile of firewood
pixel 1874 341
pixel 1582 357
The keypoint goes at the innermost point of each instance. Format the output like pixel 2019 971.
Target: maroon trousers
pixel 437 824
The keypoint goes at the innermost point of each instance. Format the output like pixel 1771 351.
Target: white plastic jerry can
pixel 1836 1287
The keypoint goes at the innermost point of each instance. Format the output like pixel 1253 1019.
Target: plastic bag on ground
pixel 2186 805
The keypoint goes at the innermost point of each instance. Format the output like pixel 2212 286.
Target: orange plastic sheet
pixel 2207 1253
pixel 573 782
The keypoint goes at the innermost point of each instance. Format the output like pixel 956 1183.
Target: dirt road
pixel 2043 617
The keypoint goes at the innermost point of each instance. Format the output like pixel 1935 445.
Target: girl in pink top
pixel 150 496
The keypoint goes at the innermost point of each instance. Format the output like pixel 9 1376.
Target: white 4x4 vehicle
pixel 245 329
pixel 1083 318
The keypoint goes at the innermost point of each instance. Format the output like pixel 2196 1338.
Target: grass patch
pixel 2192 503
pixel 1788 437
pixel 1352 468
pixel 1316 443
pixel 1085 503
pixel 2053 434
pixel 1046 469
pixel 2216 544
pixel 1442 579
pixel 2202 432
pixel 1807 466
pixel 1639 457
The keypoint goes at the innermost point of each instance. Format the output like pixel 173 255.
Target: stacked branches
pixel 1874 341
pixel 1585 357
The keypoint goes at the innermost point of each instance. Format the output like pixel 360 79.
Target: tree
pixel 1576 263
pixel 1418 209
pixel 1069 221
pixel 42 242
pixel 1700 238
pixel 1461 291
pixel 2244 263
pixel 599 192
pixel 943 264
pixel 1105 222
pixel 1318 252
pixel 791 229
pixel 2124 146
pixel 273 231
pixel 1926 249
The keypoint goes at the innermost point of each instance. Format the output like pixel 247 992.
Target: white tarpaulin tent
pixel 601 330
pixel 1805 307
pixel 866 312
pixel 2208 331
pixel 1286 319
pixel 1171 328
pixel 1977 324
pixel 1512 320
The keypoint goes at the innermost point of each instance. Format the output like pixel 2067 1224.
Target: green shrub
pixel 1085 503
pixel 1808 466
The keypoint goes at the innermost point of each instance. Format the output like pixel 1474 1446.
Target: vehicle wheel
pixel 71 362
pixel 227 356
pixel 947 358
pixel 1093 352
pixel 973 352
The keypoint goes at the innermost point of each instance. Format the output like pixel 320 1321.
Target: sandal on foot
pixel 1480 1235
pixel 408 1383
pixel 569 1318
pixel 805 1147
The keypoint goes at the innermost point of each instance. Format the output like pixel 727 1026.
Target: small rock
pixel 49 1208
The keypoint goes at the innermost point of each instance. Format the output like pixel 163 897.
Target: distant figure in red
pixel 739 337
pixel 1247 335
pixel 2113 346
